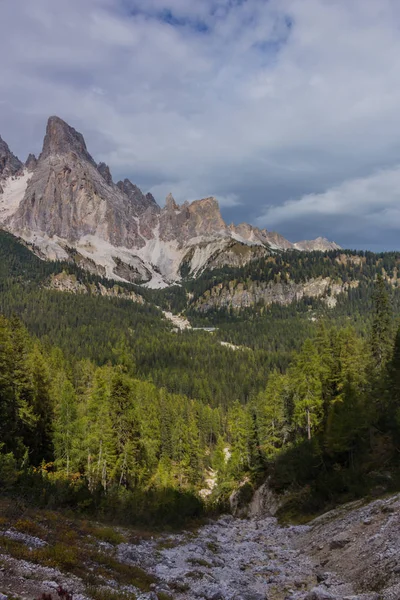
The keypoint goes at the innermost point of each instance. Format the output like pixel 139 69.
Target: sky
pixel 288 111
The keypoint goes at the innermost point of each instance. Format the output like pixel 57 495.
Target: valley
pixel 188 409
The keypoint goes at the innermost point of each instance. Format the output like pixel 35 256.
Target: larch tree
pixel 305 380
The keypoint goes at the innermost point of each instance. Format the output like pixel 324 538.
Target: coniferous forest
pixel 106 409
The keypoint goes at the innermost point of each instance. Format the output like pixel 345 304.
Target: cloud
pixel 360 205
pixel 253 101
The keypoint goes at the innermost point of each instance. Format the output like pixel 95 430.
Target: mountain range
pixel 67 207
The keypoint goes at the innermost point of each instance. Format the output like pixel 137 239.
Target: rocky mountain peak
pixel 141 201
pixel 201 218
pixel 65 198
pixel 61 138
pixel 207 210
pixel 9 163
pixel 105 172
pixel 151 198
pixel 31 163
pixel 320 243
pixel 170 203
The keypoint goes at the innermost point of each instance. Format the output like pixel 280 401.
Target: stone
pixel 339 542
pixel 250 596
pixel 320 593
pixel 239 500
pixel 265 502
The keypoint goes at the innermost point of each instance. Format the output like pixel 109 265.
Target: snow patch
pixel 13 192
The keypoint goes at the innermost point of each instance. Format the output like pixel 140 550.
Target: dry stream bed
pixel 351 553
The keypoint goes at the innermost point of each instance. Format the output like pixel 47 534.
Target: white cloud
pixel 372 201
pixel 248 100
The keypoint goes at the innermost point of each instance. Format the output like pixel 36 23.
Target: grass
pixel 29 527
pixel 73 547
pixel 107 594
pixel 200 562
pixel 167 544
pixel 107 534
pixel 213 547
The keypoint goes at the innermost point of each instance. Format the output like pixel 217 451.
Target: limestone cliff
pixel 245 295
pixel 64 200
pixel 10 165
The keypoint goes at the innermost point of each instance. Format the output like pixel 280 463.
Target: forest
pixel 105 409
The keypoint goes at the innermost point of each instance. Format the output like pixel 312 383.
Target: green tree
pixel 305 378
pixel 381 333
pixel 66 425
pixel 271 416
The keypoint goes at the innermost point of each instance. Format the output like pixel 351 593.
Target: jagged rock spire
pixel 105 172
pixel 135 194
pixel 170 203
pixel 9 163
pixel 31 162
pixel 61 138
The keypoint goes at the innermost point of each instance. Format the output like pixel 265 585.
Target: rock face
pixel 201 218
pixel 244 295
pixel 105 172
pixel 69 198
pixel 141 201
pixel 62 139
pixel 31 163
pixel 64 200
pixel 10 165
pixel 321 244
pixel 64 282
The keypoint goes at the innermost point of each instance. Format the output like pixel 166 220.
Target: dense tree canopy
pixel 102 396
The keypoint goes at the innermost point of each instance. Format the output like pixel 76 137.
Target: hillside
pixel 265 369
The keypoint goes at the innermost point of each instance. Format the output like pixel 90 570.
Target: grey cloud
pixel 271 102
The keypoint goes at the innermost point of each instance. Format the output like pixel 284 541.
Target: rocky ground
pixel 352 553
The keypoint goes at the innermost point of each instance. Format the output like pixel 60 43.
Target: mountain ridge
pixel 65 199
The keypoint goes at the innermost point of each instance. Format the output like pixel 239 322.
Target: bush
pixel 8 469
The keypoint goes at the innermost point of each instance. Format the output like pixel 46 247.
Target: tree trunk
pixel 308 424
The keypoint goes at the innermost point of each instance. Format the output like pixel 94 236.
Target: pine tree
pixel 42 405
pixel 240 429
pixel 99 452
pixel 270 414
pixel 381 333
pixel 126 430
pixel 66 426
pixel 393 388
pixel 305 378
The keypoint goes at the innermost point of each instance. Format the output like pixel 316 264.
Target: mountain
pixel 68 207
pixel 10 165
pixel 320 244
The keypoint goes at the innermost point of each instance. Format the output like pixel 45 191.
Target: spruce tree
pixel 393 388
pixel 305 379
pixel 270 414
pixel 381 333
